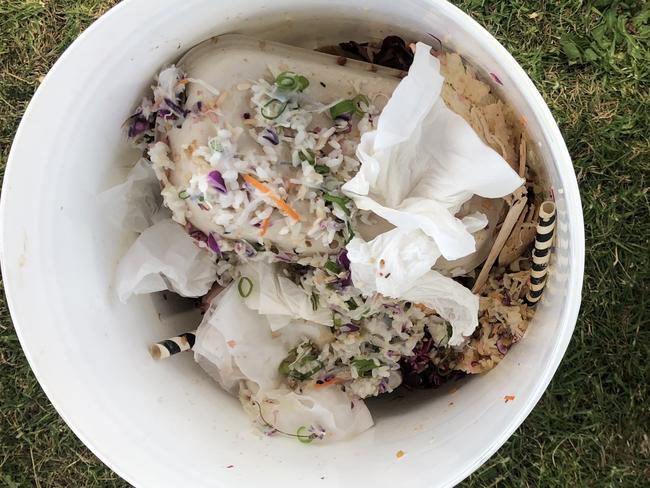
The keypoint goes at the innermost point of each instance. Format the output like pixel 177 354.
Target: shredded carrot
pixel 265 226
pixel 184 81
pixel 281 204
pixel 421 307
pixel 509 398
pixel 257 184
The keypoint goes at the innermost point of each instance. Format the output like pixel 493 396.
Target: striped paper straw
pixel 169 347
pixel 541 252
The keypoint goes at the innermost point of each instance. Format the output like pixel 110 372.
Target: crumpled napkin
pixel 235 345
pixel 132 205
pixel 424 161
pixel 418 168
pixel 279 298
pixel 393 261
pixel 329 411
pixel 165 257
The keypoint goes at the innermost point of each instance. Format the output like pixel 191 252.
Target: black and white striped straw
pixel 541 252
pixel 174 345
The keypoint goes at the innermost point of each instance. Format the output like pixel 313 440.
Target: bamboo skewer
pixel 522 157
pixel 506 228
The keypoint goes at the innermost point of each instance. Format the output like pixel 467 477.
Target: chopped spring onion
pixel 361 104
pixel 352 305
pixel 183 195
pixel 273 109
pixel 291 82
pixel 358 105
pixel 340 201
pixel 298 360
pixel 343 107
pixel 245 287
pixel 307 155
pixel 315 301
pixel 364 366
pixel 336 320
pixel 350 235
pixel 215 145
pixel 321 169
pixel 307 375
pixel 303 435
pixel 333 267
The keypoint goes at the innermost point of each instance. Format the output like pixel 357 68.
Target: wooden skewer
pixel 506 228
pixel 522 157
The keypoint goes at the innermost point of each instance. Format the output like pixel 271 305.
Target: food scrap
pixel 323 280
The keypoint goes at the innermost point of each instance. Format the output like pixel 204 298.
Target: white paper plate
pixel 166 424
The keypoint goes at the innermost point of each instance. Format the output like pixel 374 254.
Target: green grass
pixel 591 61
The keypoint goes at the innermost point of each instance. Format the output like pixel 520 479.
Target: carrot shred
pixel 508 398
pixel 184 81
pixel 265 226
pixel 257 184
pixel 281 204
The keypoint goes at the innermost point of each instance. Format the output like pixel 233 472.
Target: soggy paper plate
pixel 167 424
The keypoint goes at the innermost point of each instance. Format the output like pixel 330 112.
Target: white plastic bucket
pixel 167 424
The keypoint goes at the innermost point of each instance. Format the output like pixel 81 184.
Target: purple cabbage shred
pixel 215 180
pixel 213 244
pixel 503 348
pixel 418 371
pixel 175 107
pixel 270 135
pixel 349 328
pixel 140 125
pixel 344 262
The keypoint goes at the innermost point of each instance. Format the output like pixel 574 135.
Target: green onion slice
pixel 307 155
pixel 245 287
pixel 333 267
pixel 321 169
pixel 358 105
pixel 273 109
pixel 314 301
pixel 305 376
pixel 343 107
pixel 350 233
pixel 215 145
pixel 336 320
pixel 364 366
pixel 303 435
pixel 361 104
pixel 183 195
pixel 340 201
pixel 291 82
pixel 352 305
